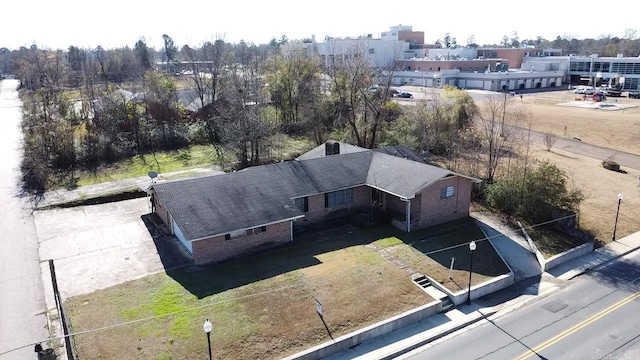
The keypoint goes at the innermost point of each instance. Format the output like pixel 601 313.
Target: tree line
pixel 87 108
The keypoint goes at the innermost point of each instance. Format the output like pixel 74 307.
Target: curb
pixel 585 269
pixel 616 257
pixel 439 335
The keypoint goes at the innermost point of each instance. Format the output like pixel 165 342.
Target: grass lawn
pixel 162 162
pixel 263 306
pixel 447 241
pixel 600 187
pixel 282 147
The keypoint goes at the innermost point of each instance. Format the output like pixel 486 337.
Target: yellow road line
pixel 577 327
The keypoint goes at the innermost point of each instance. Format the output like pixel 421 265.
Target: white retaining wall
pixel 568 255
pixel 479 290
pixel 357 337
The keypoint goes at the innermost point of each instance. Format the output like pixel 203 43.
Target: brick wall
pixel 162 211
pixel 435 211
pixel 438 65
pixel 317 212
pixel 416 37
pixel 217 248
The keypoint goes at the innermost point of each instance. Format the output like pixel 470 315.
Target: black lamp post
pixel 615 225
pixel 472 247
pixel 207 329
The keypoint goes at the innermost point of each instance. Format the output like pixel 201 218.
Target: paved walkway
pixel 512 247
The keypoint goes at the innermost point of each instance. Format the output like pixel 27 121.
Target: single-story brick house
pixel 221 216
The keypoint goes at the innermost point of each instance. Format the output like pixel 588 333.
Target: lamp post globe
pixel 472 248
pixel 207 327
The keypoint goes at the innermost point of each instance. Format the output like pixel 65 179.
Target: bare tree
pixel 497 130
pixel 359 106
pixel 243 126
pixel 293 81
pixel 197 77
pixel 217 57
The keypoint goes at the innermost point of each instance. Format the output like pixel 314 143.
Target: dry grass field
pixel 263 306
pixel 619 129
pixel 600 188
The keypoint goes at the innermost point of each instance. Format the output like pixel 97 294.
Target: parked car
pixel 393 92
pixel 634 94
pixel 405 95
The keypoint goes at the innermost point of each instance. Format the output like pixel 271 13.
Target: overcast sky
pixel 115 23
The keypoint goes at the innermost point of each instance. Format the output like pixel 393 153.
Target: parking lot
pixel 98 246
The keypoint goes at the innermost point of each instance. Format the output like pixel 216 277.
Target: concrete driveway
pixel 98 246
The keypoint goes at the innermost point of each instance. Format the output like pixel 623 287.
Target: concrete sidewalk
pixel 63 196
pixel 512 246
pixel 598 257
pixel 434 327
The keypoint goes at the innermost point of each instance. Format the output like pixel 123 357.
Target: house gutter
pixel 251 227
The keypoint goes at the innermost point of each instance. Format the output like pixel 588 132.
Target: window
pixel 302 203
pixel 242 233
pixel 447 192
pixel 372 51
pixel 337 198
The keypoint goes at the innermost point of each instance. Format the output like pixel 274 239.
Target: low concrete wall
pixel 534 248
pixel 479 290
pixel 568 255
pixel 357 337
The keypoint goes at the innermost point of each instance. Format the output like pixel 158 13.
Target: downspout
pixel 408 215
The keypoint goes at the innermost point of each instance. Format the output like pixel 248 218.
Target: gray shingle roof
pixel 402 151
pixel 256 196
pixel 319 151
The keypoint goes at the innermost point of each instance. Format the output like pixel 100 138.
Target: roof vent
pixel 331 147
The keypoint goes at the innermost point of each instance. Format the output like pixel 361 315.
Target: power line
pixel 304 282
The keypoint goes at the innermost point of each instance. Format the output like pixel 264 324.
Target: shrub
pixel 530 195
pixel 610 165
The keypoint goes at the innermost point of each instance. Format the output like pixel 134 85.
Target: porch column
pixel 408 216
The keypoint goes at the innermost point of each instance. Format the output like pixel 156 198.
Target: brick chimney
pixel 331 147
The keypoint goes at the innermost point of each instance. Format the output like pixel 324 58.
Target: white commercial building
pixel 494 81
pixel 592 70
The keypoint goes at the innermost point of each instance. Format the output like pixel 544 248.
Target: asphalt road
pixel 585 149
pixel 595 317
pixel 22 317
